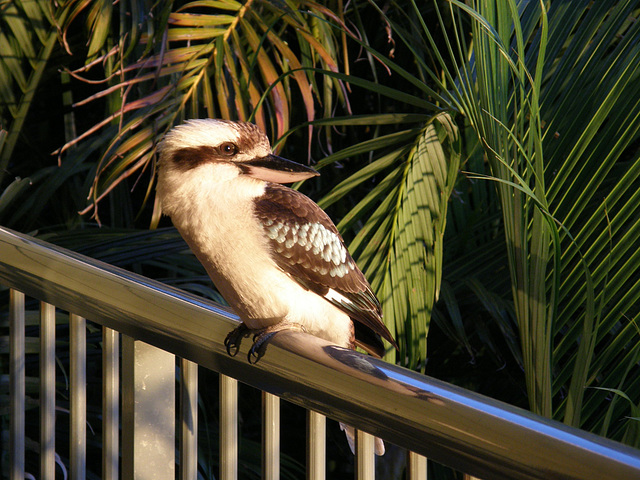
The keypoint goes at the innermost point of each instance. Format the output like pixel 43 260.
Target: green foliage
pixel 26 42
pixel 217 59
pixel 552 96
pixel 399 245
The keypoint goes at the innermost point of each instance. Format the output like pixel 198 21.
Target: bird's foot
pixel 262 337
pixel 234 339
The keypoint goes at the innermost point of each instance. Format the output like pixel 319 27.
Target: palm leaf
pixel 230 58
pixel 552 97
pixel 27 39
pixel 399 246
pixel 565 125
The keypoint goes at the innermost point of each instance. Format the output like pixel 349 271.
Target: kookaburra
pixel 274 255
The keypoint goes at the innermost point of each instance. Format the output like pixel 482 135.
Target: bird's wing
pixel 306 244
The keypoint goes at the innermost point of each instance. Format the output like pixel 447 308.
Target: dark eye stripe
pixel 190 157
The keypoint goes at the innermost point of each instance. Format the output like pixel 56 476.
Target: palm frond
pixel 556 111
pixel 399 246
pixel 218 59
pixel 27 39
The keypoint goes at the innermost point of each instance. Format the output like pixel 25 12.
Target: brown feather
pixel 321 265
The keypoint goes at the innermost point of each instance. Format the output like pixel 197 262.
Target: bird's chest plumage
pixel 220 228
pixel 217 220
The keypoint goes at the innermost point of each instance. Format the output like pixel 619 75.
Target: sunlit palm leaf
pixel 400 244
pixel 234 60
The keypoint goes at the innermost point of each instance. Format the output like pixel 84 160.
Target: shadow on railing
pixel 469 432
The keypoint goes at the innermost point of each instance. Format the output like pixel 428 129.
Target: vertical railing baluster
pixel 189 420
pixel 228 428
pixel 417 466
pixel 365 457
pixel 47 391
pixel 78 385
pixel 148 411
pixel 17 383
pixel 110 406
pixel 316 446
pixel 270 436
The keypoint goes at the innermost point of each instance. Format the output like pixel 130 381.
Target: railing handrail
pixel 470 432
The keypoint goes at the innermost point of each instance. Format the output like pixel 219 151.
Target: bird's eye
pixel 228 149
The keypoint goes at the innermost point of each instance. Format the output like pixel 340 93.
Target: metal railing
pixel 469 432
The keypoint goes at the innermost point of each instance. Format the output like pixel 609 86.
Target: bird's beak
pixel 277 169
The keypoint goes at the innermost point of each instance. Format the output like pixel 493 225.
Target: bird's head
pixel 237 148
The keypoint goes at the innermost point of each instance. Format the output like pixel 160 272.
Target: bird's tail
pixel 350 432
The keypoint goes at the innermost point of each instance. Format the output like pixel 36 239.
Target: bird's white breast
pixel 212 207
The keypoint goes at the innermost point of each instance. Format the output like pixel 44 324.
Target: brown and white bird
pixel 274 255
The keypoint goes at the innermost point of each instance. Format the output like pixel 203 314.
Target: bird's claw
pixel 259 347
pixel 260 339
pixel 234 339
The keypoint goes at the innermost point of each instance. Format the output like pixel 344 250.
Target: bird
pixel 273 254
